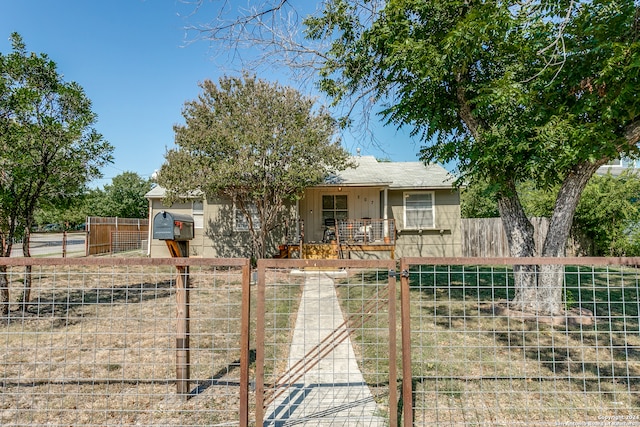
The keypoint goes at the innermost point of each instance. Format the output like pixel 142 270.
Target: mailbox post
pixel 177 230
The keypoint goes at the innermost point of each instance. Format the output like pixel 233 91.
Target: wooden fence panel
pixel 485 237
pixel 100 230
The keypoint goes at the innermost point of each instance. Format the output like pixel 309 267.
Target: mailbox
pixel 170 226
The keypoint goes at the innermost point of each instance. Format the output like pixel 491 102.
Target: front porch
pixel 347 239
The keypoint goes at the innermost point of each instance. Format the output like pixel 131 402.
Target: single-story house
pixel 376 209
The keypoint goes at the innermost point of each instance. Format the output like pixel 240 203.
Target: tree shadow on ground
pixel 590 358
pixel 215 379
pixel 65 304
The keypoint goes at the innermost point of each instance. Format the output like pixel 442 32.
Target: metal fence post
pixel 407 376
pixel 244 344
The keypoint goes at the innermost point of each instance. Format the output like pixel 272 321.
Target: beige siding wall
pixel 442 240
pixel 217 238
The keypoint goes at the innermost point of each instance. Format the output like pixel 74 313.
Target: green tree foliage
pixel 123 198
pixel 609 214
pixel 537 202
pixel 255 143
pixel 69 214
pixel 470 78
pixel 478 201
pixel 49 149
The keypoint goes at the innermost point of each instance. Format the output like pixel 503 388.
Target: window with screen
pixel 418 210
pixel 197 211
pixel 241 223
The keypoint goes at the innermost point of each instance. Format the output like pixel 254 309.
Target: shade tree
pixel 49 148
pixel 253 143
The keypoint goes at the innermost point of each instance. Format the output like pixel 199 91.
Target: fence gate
pixel 326 343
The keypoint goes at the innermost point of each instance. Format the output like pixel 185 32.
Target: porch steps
pixel 321 251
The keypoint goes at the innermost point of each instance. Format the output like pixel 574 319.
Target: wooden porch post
pixel 385 215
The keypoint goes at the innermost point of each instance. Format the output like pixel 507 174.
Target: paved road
pixel 50 244
pixel 333 391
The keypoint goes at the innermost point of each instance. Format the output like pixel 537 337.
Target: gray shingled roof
pixel 399 175
pixel 404 175
pixel 155 192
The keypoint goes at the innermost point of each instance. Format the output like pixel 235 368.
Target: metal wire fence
pixel 325 341
pixel 127 241
pixel 478 362
pixel 98 344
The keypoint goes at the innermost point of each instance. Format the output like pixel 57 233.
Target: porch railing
pixel 367 231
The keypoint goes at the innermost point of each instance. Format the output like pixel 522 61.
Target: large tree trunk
pixel 538 289
pixel 632 132
pixel 520 238
pixel 551 280
pixel 26 252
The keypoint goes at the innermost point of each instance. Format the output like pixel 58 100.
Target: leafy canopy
pixel 123 198
pixel 49 148
pixel 254 142
pixel 608 213
pixel 507 89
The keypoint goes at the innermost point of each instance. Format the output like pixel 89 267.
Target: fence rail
pixel 99 343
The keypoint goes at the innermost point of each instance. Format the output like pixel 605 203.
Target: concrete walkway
pixel 332 391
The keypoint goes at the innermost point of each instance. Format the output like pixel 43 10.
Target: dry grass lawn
pixel 96 347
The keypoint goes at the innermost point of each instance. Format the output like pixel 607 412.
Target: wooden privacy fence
pixel 485 237
pixel 107 234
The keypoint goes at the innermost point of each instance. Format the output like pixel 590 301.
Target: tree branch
pixel 466 114
pixel 632 132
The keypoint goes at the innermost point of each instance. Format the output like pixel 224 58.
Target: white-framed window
pixel 240 222
pixel 418 210
pixel 197 211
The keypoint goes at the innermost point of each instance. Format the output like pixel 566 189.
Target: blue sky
pixel 135 62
